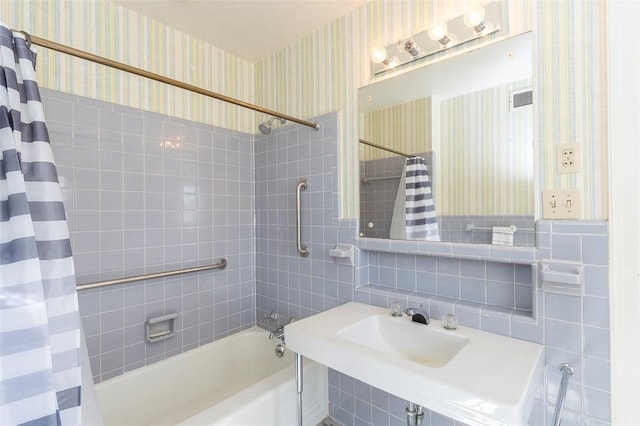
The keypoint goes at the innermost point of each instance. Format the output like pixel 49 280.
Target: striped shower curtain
pixel 421 220
pixel 39 321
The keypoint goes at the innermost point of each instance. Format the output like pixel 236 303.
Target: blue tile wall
pixel 420 279
pixel 146 193
pixel 291 285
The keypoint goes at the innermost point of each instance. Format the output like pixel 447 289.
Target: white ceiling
pixel 250 29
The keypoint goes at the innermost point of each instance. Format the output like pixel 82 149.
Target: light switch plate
pixel 562 203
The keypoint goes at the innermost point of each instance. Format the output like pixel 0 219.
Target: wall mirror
pixel 471 117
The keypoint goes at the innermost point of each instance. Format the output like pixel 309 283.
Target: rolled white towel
pixel 503 235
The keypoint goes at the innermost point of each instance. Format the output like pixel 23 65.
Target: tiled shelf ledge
pixel 504 254
pixel 470 314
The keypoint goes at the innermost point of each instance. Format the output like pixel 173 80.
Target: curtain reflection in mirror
pixel 414 214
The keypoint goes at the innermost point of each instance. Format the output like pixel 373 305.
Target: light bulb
pixel 474 17
pixel 438 31
pixel 378 54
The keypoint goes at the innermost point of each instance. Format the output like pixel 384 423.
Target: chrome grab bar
pixel 220 265
pixel 303 250
pixel 567 370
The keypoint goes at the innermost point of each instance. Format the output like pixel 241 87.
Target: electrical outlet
pixel 561 203
pixel 568 157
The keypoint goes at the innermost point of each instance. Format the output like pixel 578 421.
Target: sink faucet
pixel 418 315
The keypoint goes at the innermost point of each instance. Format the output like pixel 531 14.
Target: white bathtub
pixel 237 380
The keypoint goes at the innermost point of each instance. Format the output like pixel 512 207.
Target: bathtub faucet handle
pixel 271 316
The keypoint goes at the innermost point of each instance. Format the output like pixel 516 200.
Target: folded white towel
pixel 503 235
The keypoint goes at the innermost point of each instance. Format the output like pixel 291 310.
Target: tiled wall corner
pixel 287 283
pixel 576 328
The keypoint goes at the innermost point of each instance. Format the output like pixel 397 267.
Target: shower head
pixel 265 128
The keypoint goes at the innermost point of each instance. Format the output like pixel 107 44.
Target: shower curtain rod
pixel 31 39
pixel 384 148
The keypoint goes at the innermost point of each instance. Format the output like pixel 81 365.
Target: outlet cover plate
pixel 562 203
pixel 568 157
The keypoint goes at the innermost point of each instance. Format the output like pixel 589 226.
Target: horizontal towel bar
pixel 369 180
pixel 472 227
pixel 220 265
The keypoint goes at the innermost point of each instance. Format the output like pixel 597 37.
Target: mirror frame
pixel 488 252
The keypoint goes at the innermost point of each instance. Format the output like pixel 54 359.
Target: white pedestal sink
pixel 469 375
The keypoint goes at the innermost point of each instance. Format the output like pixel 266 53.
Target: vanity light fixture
pixel 438 32
pixel 409 46
pixel 379 56
pixel 475 19
pixel 478 21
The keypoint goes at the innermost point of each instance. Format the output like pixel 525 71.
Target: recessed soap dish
pixel 160 328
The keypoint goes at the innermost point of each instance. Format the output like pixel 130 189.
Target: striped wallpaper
pixel 486 153
pixel 485 149
pixel 391 127
pixel 572 94
pixel 107 29
pixel 322 71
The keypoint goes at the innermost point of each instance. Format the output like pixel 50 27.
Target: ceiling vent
pixel 521 98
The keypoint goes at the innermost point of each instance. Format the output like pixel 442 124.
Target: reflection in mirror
pixel 471 117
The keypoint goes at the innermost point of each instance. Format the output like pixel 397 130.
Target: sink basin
pixel 476 377
pixel 414 342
